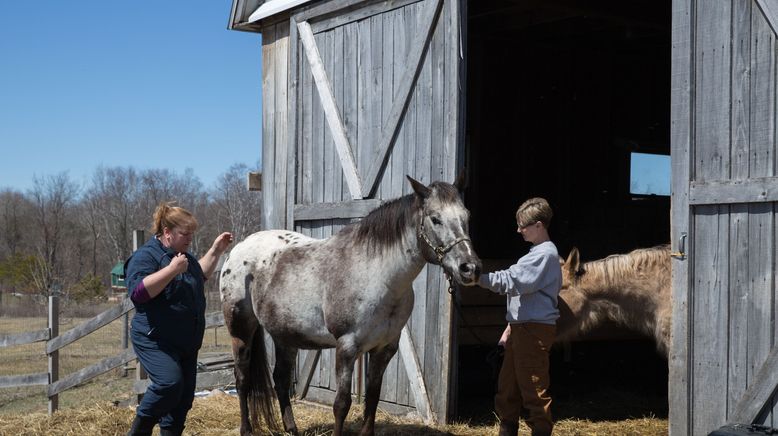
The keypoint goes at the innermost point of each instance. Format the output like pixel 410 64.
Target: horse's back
pixel 258 248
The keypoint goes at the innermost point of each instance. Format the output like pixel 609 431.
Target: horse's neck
pixel 622 300
pixel 397 263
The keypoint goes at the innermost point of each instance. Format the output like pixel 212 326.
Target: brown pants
pixel 524 380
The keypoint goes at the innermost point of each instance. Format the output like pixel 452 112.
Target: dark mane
pixel 385 225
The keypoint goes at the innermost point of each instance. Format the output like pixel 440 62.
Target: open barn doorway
pixel 567 100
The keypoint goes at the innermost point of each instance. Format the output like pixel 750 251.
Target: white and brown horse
pixel 631 289
pixel 352 292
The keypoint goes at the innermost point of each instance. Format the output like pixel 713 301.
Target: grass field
pixel 92 408
pixel 105 342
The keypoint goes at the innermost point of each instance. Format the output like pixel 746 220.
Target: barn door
pixel 724 363
pixel 374 95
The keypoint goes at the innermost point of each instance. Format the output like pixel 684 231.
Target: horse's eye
pixel 436 221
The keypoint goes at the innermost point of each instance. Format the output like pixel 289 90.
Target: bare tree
pixel 238 208
pixel 15 218
pixel 52 197
pixel 116 193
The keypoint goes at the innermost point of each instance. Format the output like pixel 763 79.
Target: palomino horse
pixel 352 291
pixel 632 289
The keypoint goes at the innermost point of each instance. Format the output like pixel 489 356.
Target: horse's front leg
pixel 345 355
pixel 282 376
pixel 378 361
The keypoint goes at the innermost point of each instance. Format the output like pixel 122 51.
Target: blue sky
pixel 143 84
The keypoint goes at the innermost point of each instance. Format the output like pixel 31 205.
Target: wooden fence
pixel 55 342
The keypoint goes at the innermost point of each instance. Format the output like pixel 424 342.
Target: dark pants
pixel 173 374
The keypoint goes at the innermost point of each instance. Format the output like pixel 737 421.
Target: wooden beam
pixel 89 326
pixel 770 10
pixel 11 381
pixel 756 190
pixel 331 111
pixel 24 338
pixel 90 372
pixel 311 359
pixel 680 142
pixel 366 11
pixel 402 97
pixel 345 209
pixel 760 391
pixel 415 377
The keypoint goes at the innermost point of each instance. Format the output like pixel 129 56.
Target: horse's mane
pixel 617 267
pixel 385 225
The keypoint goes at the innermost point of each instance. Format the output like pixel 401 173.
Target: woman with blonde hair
pixel 166 285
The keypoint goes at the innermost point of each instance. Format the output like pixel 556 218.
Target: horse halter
pixel 439 250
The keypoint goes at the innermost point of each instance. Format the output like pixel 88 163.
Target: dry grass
pixel 218 415
pixel 105 342
pixel 90 408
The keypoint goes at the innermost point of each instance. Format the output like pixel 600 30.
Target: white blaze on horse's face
pixel 443 233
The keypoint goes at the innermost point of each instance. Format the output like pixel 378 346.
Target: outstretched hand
pixel 221 242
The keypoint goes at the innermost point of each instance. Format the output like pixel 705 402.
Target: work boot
pixel 171 431
pixel 508 429
pixel 142 426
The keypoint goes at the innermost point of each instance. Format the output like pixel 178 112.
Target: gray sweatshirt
pixel 531 285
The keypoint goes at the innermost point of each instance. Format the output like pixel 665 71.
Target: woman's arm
pixel 156 282
pixel 211 259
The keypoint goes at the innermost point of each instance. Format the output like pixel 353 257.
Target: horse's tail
pixel 260 392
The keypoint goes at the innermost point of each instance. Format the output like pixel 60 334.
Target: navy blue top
pixel 175 317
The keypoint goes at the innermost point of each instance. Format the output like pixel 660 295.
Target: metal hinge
pixel 681 253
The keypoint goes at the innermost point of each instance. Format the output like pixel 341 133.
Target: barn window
pixel 649 174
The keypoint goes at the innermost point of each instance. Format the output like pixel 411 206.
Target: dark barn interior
pixel 561 94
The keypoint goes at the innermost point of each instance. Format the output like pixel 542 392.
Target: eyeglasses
pixel 522 227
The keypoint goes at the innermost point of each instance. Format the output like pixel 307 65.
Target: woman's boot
pixel 142 426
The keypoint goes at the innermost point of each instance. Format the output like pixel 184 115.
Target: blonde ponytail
pixel 171 216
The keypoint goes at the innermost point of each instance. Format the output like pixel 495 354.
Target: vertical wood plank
pixel 762 229
pixel 269 179
pixel 739 229
pixel 394 376
pixel 709 312
pixel 293 120
pixel 712 153
pixel 281 144
pixel 350 90
pixel 364 95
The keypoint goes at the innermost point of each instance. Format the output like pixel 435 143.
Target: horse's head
pixel 442 231
pixel 571 269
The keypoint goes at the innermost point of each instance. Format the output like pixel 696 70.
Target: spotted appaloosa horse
pixel 352 291
pixel 632 289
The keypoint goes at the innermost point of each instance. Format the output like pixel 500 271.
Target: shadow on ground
pixel 593 380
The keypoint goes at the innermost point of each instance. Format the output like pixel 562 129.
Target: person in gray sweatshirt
pixel 531 287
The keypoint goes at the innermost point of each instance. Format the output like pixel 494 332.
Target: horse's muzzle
pixel 469 272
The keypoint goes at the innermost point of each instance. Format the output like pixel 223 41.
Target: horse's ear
pixel 418 187
pixel 573 262
pixel 461 182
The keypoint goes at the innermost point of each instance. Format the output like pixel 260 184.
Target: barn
pixel 555 98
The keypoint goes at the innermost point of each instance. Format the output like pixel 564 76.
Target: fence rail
pixel 55 342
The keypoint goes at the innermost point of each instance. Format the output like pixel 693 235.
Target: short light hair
pixel 534 210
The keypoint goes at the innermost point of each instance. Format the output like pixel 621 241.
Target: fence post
pixel 140 373
pixel 54 294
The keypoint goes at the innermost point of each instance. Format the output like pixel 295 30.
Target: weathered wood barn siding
pixel 723 363
pixel 345 83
